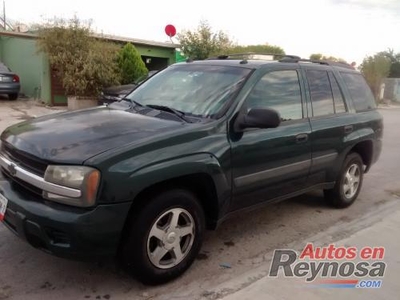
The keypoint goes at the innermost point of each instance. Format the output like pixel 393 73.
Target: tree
pixel 130 64
pixel 83 63
pixel 316 56
pixel 261 49
pixel 375 69
pixel 319 56
pixel 203 42
pixel 394 58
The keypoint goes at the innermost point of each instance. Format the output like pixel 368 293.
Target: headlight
pixel 85 179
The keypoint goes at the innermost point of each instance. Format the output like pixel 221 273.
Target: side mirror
pixel 258 118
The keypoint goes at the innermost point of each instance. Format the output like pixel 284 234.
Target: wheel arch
pixel 200 184
pixel 365 149
pixel 200 174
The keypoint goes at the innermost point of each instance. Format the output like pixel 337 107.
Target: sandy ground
pixel 243 243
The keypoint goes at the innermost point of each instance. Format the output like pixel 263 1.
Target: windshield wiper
pixel 178 113
pixel 133 102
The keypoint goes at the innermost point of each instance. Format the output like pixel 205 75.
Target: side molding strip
pixel 268 174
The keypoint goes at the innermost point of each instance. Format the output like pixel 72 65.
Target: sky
pixel 350 29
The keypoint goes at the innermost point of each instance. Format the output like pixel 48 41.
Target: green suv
pixel 142 178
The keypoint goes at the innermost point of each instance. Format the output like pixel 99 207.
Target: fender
pixel 348 143
pixel 204 163
pixel 370 135
pixel 356 137
pixel 131 182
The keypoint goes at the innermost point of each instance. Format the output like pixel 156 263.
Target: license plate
pixel 5 79
pixel 3 206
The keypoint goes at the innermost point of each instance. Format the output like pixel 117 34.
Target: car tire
pixel 164 237
pixel 12 96
pixel 348 183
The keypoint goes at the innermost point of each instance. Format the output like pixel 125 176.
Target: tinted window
pixel 359 91
pixel 337 95
pixel 321 93
pixel 279 90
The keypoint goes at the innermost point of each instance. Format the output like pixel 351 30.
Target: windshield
pixel 199 90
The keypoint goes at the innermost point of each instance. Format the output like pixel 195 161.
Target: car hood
pixel 120 89
pixel 73 137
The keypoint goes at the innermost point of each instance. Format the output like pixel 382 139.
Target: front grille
pixel 24 160
pixel 26 187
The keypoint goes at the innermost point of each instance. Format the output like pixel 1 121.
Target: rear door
pixel 332 123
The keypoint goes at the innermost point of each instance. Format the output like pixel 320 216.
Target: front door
pixel 269 163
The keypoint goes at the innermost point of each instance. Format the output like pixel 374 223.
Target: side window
pixel 321 93
pixel 359 91
pixel 337 95
pixel 279 90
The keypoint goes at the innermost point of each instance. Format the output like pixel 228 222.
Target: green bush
pixel 83 63
pixel 130 64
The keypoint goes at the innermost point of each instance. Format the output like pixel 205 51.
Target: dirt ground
pixel 240 244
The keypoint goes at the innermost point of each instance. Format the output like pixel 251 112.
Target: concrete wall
pixel 392 89
pixel 20 55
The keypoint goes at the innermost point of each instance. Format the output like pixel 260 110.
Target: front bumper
pixel 62 230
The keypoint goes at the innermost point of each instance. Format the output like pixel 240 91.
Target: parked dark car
pixel 142 178
pixel 9 82
pixel 116 93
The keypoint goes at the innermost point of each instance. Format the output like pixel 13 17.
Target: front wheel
pixel 348 184
pixel 164 237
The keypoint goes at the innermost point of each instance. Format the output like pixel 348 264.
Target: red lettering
pixel 366 252
pixel 308 251
pixel 331 251
pixel 340 253
pixel 351 253
pixel 378 253
pixel 320 253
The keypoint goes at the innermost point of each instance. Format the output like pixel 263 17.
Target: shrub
pixel 83 63
pixel 130 64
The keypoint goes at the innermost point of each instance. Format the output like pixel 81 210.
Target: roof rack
pixel 253 55
pixel 321 62
pixel 283 58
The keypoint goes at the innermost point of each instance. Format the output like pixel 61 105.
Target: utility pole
pixel 4 15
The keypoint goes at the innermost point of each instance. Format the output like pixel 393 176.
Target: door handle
pixel 302 138
pixel 348 129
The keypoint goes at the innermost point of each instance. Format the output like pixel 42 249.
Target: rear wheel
pixel 164 237
pixel 348 184
pixel 12 96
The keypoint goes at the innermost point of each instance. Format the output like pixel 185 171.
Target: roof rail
pixel 321 62
pixel 254 54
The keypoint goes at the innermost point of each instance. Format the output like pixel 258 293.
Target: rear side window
pixel 359 91
pixel 337 95
pixel 321 93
